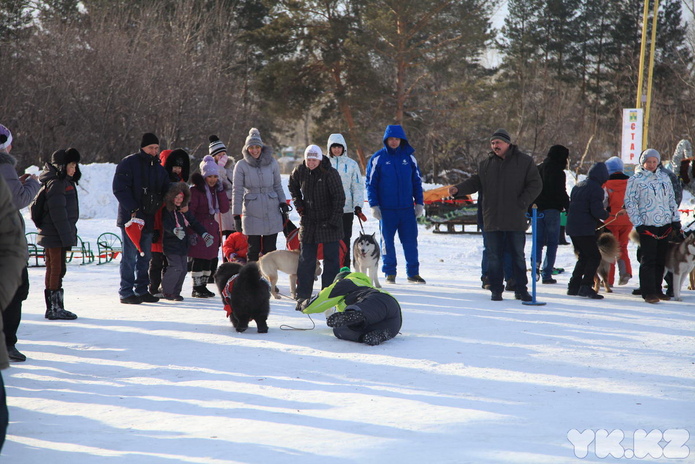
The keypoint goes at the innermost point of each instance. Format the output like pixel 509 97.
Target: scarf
pixel 213 206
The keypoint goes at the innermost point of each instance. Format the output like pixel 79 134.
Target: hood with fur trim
pixel 175 189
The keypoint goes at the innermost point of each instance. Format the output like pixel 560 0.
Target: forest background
pixel 96 74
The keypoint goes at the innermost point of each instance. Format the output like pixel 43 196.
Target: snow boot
pixel 573 287
pixel 54 306
pixel 199 283
pixel 376 337
pixel 588 292
pixel 347 317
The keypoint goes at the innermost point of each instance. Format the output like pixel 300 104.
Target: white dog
pixel 287 262
pixel 365 257
pixel 680 260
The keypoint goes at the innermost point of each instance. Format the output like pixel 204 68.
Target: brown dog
pixel 610 252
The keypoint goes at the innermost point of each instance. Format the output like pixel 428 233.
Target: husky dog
pixel 245 295
pixel 286 261
pixel 680 260
pixel 365 257
pixel 610 252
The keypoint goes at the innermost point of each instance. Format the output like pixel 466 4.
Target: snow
pixel 467 380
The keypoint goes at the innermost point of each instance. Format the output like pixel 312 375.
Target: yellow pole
pixel 643 51
pixel 645 135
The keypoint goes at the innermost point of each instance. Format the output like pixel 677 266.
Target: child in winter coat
pixel 175 223
pixel 651 203
pixel 235 248
pixel 619 226
pixel 207 200
pixel 58 229
pixel 585 212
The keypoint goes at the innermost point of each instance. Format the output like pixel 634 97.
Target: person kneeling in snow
pixel 364 314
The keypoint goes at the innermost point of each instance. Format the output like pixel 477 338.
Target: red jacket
pixel 615 188
pixel 236 244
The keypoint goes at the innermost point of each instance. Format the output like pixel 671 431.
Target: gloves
pixel 641 229
pixel 285 208
pixel 209 239
pixel 237 223
pixel 180 233
pixel 360 214
pixel 676 226
pixel 376 212
pixel 419 210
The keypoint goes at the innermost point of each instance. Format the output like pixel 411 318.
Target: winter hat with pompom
pixel 208 167
pixel 614 164
pixel 216 146
pixel 254 139
pixel 5 137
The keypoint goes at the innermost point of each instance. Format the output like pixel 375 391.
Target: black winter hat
pixel 149 139
pixel 65 157
pixel 558 153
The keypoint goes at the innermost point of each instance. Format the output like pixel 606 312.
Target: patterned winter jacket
pixel 650 199
pixel 350 175
pixel 61 211
pixel 257 193
pixel 319 197
pixel 393 176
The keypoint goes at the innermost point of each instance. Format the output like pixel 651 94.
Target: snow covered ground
pixel 467 381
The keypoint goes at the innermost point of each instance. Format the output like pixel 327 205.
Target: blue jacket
pixel 393 176
pixel 586 203
pixel 132 174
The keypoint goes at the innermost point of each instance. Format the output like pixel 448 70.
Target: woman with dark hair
pixel 58 229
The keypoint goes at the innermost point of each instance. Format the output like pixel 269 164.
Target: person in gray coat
pixel 23 190
pixel 13 258
pixel 509 181
pixel 258 201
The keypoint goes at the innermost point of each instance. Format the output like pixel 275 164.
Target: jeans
pixel 548 235
pixel 497 243
pixel 134 267
pixel 506 263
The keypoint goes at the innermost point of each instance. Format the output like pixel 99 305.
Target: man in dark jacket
pixel 139 184
pixel 509 181
pixel 318 196
pixel 394 192
pixel 23 190
pixel 551 202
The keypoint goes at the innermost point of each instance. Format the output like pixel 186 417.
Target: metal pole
pixel 643 51
pixel 655 17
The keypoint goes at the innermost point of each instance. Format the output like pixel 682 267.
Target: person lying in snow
pixel 364 314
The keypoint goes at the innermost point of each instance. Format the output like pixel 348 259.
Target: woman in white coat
pixel 351 178
pixel 258 201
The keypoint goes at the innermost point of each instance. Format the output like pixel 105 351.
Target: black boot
pixel 348 317
pixel 54 306
pixel 573 287
pixel 199 283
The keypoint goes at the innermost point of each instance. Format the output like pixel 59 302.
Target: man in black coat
pixel 139 184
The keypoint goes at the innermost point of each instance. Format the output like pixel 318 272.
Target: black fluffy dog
pixel 245 294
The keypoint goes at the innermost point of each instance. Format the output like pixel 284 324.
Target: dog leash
pixel 289 327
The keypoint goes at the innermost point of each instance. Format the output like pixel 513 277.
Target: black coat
pixel 319 197
pixel 61 211
pixel 586 203
pixel 554 193
pixel 133 174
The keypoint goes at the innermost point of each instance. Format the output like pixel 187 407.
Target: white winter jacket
pixel 350 174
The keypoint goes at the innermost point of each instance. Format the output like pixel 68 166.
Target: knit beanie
pixel 149 139
pixel 5 137
pixel 254 138
pixel 313 152
pixel 216 146
pixel 614 164
pixel 649 153
pixel 501 134
pixel 208 167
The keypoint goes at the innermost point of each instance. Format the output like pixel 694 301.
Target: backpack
pixel 37 207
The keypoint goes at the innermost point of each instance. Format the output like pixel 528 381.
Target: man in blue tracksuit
pixel 394 192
